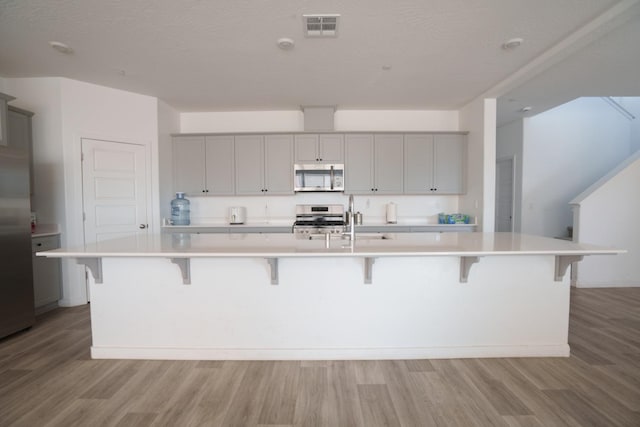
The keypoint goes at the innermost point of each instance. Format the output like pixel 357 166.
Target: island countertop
pixel 194 245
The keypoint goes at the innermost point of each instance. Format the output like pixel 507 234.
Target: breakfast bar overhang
pixel 272 296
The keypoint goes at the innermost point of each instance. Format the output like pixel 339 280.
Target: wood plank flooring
pixel 48 379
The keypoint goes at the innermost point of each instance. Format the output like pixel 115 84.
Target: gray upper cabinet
pixel 373 164
pixel 219 170
pixel 4 98
pixel 264 164
pixel 322 148
pixel 19 134
pixel 203 165
pixel 278 155
pixel 253 164
pixel 249 162
pixel 189 165
pixel 434 164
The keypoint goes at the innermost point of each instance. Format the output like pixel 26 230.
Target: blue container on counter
pixel 180 210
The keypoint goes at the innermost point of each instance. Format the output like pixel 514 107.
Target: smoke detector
pixel 61 47
pixel 286 43
pixel 321 25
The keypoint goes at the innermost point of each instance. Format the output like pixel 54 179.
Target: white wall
pixel 66 111
pixel 509 145
pixel 344 120
pixel 565 150
pixel 632 104
pixel 479 118
pixel 396 120
pixel 242 121
pixel 607 214
pixel 281 209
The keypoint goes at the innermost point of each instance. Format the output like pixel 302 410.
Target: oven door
pixel 313 177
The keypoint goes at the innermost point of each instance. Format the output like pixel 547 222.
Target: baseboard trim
pixel 156 353
pixel 614 284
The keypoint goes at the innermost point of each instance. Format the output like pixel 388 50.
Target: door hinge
pixel 84 216
pixel 81 156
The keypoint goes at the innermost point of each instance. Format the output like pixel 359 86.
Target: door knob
pixel 143 226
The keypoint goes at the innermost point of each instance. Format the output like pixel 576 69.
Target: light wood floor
pixel 47 378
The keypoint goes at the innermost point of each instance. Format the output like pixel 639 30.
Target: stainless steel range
pixel 313 220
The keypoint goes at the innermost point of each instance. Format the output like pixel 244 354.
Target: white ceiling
pixel 222 55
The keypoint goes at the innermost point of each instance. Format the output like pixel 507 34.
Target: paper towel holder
pixel 392 217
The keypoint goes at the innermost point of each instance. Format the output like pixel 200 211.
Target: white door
pixel 504 195
pixel 114 189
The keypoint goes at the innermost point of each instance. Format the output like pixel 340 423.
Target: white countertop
pixel 45 230
pixel 191 245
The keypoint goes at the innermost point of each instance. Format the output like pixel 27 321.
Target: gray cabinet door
pixel 331 148
pixel 306 149
pixel 220 176
pixel 388 164
pixel 19 135
pixel 46 271
pixel 249 164
pixel 3 118
pixel 359 164
pixel 418 164
pixel 189 165
pixel 278 164
pixel 449 164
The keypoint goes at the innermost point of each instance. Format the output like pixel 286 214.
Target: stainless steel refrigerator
pixel 16 274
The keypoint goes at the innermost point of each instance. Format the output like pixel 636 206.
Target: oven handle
pixel 332 177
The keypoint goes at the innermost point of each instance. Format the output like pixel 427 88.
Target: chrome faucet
pixel 351 220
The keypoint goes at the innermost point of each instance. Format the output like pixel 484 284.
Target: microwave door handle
pixel 332 176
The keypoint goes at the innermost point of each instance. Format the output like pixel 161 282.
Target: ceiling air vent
pixel 321 25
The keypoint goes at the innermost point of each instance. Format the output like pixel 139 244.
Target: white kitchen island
pixel 272 296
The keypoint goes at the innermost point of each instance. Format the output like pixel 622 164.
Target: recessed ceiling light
pixel 286 43
pixel 61 47
pixel 386 67
pixel 512 43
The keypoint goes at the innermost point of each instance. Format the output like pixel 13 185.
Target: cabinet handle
pixel 38 244
pixel 142 226
pixel 265 190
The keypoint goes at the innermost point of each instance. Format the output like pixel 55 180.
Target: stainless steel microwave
pixel 318 177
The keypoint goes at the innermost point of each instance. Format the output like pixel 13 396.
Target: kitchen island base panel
pixel 415 307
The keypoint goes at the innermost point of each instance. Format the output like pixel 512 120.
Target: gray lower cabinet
pixel 203 166
pixel 46 272
pixel 319 148
pixel 374 163
pixel 434 164
pixel 264 164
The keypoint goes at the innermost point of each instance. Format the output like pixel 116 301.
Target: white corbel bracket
pixel 273 263
pixel 94 265
pixel 465 266
pixel 368 270
pixel 185 269
pixel 562 263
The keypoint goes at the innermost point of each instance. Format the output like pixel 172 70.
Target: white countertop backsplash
pixel 280 210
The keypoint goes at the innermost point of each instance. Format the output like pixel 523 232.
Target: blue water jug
pixel 180 210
